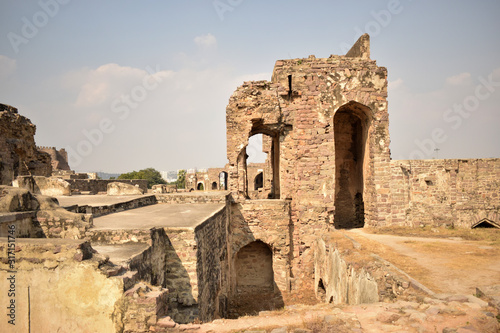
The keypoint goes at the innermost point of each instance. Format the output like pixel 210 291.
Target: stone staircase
pixel 143 306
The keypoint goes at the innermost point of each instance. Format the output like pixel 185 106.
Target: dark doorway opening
pixel 259 181
pixel 321 291
pixel 350 131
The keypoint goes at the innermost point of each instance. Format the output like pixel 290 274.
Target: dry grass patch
pixel 465 256
pixel 403 262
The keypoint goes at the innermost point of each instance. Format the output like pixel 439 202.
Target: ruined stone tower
pixel 327 124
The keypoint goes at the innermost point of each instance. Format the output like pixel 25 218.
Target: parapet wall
pixel 39 216
pixel 454 192
pixel 193 198
pixel 212 265
pixel 181 276
pixel 60 282
pixel 95 186
pixel 97 211
pixel 346 272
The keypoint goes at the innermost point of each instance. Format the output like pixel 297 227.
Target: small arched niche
pixel 254 268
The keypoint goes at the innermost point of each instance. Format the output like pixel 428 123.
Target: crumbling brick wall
pixel 267 221
pixel 197 180
pixel 18 153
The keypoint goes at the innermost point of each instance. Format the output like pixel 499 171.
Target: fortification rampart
pixel 454 192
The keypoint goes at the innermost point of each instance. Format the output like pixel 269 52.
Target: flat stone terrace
pixel 160 216
pixel 99 205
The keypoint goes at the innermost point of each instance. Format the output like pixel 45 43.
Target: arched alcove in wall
pixel 254 268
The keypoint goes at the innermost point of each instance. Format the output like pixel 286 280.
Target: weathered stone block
pixel 117 188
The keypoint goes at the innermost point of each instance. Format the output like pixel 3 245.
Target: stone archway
pixel 223 180
pixel 351 124
pixel 272 139
pixel 255 287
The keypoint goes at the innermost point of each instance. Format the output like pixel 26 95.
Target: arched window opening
pixel 214 185
pixel 261 156
pixel 200 187
pixel 223 180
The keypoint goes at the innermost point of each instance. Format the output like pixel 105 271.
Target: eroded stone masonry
pixel 18 152
pixel 328 126
pixel 242 238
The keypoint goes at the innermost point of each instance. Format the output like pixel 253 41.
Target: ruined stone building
pixel 327 123
pixel 215 179
pixel 259 236
pixel 59 158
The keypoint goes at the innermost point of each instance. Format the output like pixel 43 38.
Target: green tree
pixel 181 179
pixel 150 174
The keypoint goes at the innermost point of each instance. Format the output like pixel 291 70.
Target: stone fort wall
pixel 454 192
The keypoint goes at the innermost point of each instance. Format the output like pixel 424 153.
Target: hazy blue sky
pixel 132 84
